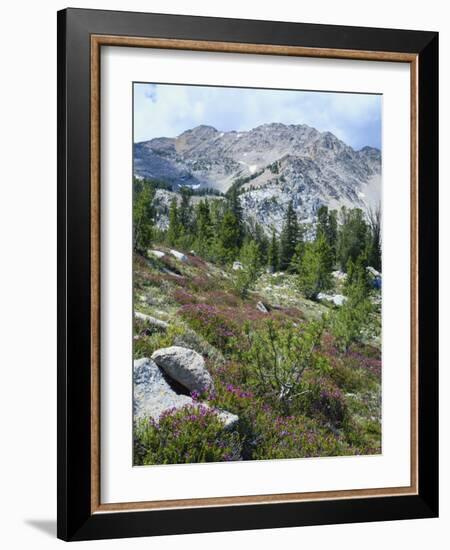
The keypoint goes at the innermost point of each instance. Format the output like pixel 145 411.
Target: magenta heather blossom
pixel 195 395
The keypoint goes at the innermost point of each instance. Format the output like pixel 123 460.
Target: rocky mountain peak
pixel 271 164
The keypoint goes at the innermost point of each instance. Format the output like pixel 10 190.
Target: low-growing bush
pixel 265 434
pixel 211 323
pixel 295 437
pixel 320 398
pixel 189 435
pixel 278 356
pixel 348 378
pixel 364 436
pixel 349 322
pixel 146 344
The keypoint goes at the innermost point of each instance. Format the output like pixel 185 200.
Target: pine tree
pixel 228 238
pixel 297 258
pixel 185 211
pixel 234 204
pixel 315 268
pixel 357 276
pixel 259 235
pixel 174 231
pixel 374 251
pixel 353 236
pixel 289 237
pixel 322 221
pixel 142 216
pixel 273 253
pixel 332 236
pixel 204 231
pixel 327 226
pixel 250 257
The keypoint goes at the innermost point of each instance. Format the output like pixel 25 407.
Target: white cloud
pixel 168 110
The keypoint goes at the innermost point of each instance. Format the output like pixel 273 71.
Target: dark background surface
pixel 74 519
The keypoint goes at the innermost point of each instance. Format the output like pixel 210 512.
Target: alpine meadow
pixel 257 274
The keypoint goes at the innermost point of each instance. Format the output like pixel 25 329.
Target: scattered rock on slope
pixel 261 307
pixel 185 366
pixel 156 253
pixel 153 395
pixel 336 299
pixel 152 321
pixel 179 255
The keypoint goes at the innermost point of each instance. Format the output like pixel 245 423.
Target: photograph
pixel 257 273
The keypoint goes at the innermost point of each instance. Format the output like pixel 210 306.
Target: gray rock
pixel 172 273
pixel 185 366
pixel 156 253
pixel 373 271
pixel 340 275
pixel 153 395
pixel 152 321
pixel 261 307
pixel 279 164
pixel 179 256
pixel 336 299
pixel 339 299
pixel 230 420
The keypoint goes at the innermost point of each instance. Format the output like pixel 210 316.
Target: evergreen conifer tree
pixel 185 211
pixel 289 237
pixel 174 231
pixel 234 205
pixel 315 267
pixel 353 236
pixel 374 251
pixel 142 216
pixel 228 238
pixel 273 253
pixel 203 226
pixel 327 226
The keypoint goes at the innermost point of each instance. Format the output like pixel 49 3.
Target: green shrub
pixel 320 398
pixel 314 267
pixel 245 278
pixel 146 344
pixel 295 437
pixel 277 357
pixel 351 319
pixel 192 434
pixel 212 323
pixel 364 436
pixel 265 434
pixel 348 378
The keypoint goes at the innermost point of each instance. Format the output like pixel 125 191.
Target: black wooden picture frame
pixel 77 517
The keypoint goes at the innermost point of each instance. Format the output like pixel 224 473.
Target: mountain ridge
pixel 272 164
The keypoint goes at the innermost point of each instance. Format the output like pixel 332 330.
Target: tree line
pixel 215 229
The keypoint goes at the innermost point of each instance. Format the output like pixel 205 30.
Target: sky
pixel 167 110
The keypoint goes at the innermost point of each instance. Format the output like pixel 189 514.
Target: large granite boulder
pixel 153 395
pixel 185 366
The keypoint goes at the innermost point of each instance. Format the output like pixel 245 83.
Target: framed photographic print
pixel 247 254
